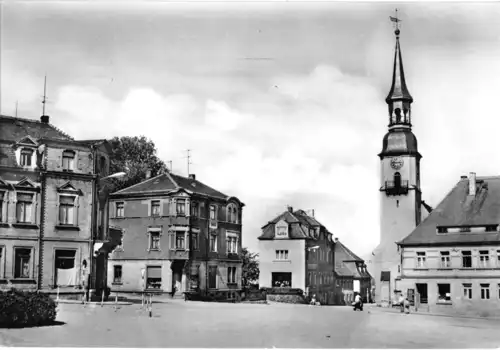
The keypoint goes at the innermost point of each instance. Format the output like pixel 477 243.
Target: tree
pixel 250 269
pixel 134 155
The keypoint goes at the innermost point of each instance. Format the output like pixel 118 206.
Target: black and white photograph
pixel 249 174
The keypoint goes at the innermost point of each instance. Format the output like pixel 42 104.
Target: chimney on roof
pixel 463 177
pixel 312 212
pixel 336 239
pixel 290 209
pixel 44 119
pixel 192 176
pixel 472 184
pixel 148 173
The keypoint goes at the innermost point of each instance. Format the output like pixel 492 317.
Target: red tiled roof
pixel 13 129
pixel 168 182
pixel 459 209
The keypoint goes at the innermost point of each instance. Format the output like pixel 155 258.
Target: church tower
pixel 400 195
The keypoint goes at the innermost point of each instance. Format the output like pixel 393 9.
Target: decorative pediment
pixel 27 141
pixel 3 183
pixel 68 188
pixel 26 183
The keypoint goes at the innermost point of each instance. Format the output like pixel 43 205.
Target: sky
pixel 282 103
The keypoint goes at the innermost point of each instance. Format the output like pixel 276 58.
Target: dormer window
pixel 102 165
pixel 68 160
pixel 26 156
pixel 281 229
pixel 397 180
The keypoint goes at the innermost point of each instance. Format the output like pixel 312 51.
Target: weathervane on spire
pixel 396 21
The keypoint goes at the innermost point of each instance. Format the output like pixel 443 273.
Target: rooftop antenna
pixel 188 159
pixel 44 101
pixel 16 107
pixel 170 163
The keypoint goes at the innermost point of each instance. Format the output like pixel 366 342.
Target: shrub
pixel 24 309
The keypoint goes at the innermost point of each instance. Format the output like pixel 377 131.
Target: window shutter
pixel 171 235
pixel 187 238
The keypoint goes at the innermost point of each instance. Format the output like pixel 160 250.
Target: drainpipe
pixel 207 245
pixel 92 226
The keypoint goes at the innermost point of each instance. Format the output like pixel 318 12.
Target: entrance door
pixel 422 290
pixel 177 269
pixel 384 291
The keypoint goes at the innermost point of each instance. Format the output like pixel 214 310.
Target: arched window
pixel 232 214
pixel 397 180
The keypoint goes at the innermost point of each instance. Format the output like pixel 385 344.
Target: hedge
pixel 25 309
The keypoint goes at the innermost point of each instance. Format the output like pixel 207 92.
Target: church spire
pixel 399 98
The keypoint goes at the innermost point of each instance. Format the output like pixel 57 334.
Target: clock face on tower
pixel 397 163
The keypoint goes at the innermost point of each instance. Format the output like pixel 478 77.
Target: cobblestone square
pixel 218 325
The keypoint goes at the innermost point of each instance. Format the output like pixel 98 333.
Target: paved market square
pixel 182 324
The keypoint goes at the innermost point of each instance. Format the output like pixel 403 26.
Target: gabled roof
pixel 458 209
pixel 13 129
pixel 169 182
pixel 345 254
pixel 299 224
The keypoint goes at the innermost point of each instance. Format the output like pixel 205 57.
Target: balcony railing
pixel 396 188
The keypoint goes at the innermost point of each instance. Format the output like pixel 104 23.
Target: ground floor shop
pixel 471 296
pixel 174 276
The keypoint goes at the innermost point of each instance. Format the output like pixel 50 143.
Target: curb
pixel 436 315
pixel 106 303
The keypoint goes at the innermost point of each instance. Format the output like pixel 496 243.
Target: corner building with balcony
pixel 180 236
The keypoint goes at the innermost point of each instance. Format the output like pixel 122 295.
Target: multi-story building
pixel 451 261
pixel 352 275
pixel 180 235
pixel 296 251
pixel 48 191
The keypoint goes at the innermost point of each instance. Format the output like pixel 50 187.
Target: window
pixel 66 272
pixel 117 274
pixel 467 290
pixel 213 243
pixel 445 259
pixel 485 291
pixel 154 240
pixel 282 255
pixel 212 277
pixel 120 209
pixel 498 284
pixel 232 214
pixel 397 180
pixel 421 260
pixel 67 210
pixel 194 238
pixel 232 243
pixel 153 277
pixel 22 262
pixel 444 292
pixel 231 274
pixel 102 165
pixel 23 207
pixel 26 155
pixel 179 240
pixel 281 231
pixel 2 264
pixel 2 194
pixel 281 279
pixel 155 208
pixel 212 212
pixel 194 209
pixel 181 207
pixel 484 258
pixel 68 160
pixel 466 259
pixel 498 251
